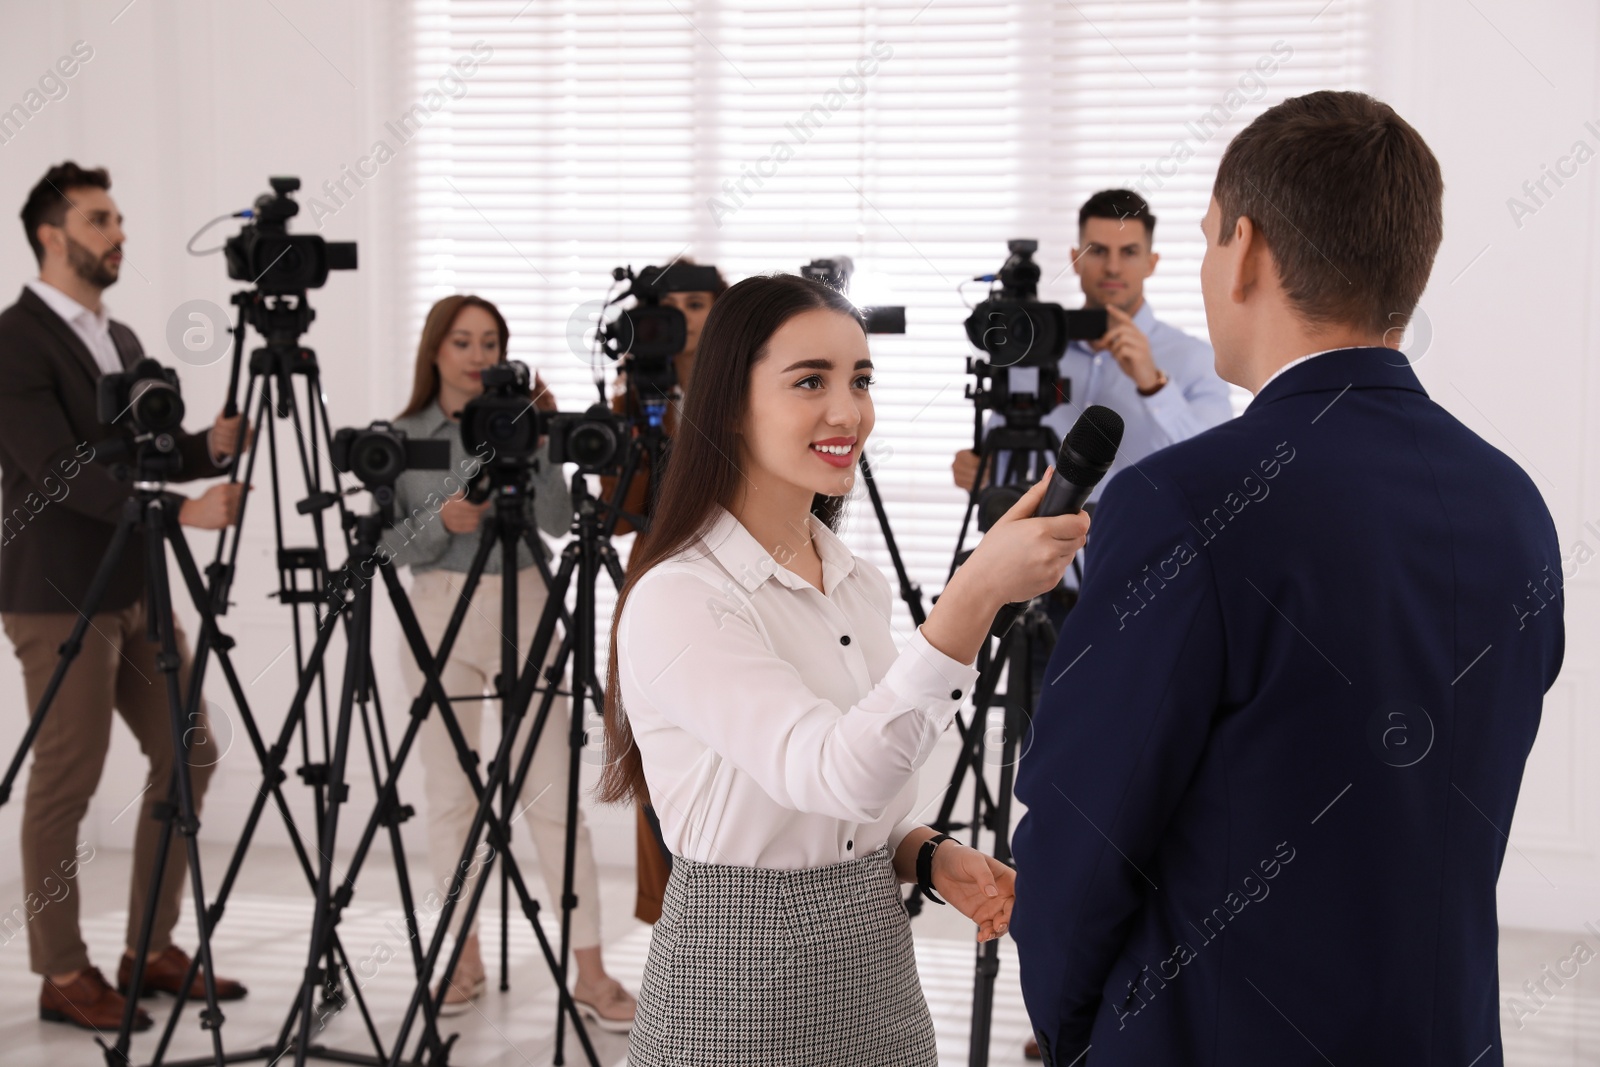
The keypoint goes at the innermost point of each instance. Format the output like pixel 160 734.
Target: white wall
pixel 191 105
pixel 1499 90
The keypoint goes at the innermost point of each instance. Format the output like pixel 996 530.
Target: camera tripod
pixel 153 513
pixel 278 363
pixel 354 590
pixel 1025 641
pixel 281 360
pixel 518 682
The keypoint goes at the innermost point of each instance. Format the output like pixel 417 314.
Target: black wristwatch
pixel 925 866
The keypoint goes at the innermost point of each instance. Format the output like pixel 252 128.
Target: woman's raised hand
pixel 1019 558
pixel 460 515
pixel 1023 556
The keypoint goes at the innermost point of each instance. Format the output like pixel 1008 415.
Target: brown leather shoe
pixel 87 1001
pixel 1030 1050
pixel 165 975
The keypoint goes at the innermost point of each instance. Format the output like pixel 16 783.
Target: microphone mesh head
pixel 1091 445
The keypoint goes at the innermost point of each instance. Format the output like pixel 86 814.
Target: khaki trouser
pixel 474 662
pixel 116 668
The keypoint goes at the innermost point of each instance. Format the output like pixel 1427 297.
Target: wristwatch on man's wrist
pixel 1161 380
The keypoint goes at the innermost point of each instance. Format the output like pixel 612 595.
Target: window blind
pixel 915 136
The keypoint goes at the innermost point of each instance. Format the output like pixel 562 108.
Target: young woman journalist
pixel 461 336
pixel 755 690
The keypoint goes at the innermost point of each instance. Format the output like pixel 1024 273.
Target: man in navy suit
pixel 1274 766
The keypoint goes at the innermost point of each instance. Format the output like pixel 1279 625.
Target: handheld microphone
pixel 1086 454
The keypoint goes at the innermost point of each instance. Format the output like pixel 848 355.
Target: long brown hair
pixel 435 328
pixel 702 472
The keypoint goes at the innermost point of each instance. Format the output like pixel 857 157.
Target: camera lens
pixel 502 427
pixel 377 458
pixel 591 445
pixel 156 405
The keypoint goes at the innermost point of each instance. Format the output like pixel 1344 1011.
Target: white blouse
pixel 778 725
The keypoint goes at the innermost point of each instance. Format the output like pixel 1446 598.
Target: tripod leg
pixel 179 809
pixel 504 684
pixel 324 918
pixel 484 816
pixel 1022 645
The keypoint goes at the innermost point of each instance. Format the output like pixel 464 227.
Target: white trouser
pixel 474 662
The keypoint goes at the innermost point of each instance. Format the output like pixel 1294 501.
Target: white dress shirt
pixel 778 725
pixel 93 328
pixel 1294 363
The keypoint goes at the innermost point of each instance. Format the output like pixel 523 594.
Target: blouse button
pixel 845 640
pixel 955 694
pixel 849 844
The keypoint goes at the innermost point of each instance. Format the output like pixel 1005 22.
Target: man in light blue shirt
pixel 1159 379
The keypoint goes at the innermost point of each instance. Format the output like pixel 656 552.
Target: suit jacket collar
pixel 67 335
pixel 1345 368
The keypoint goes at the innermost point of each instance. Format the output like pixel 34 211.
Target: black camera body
pixel 596 440
pixel 1015 328
pixel 648 333
pixel 835 273
pixel 1025 338
pixel 265 254
pixel 146 398
pixel 146 402
pixel 378 454
pixel 502 420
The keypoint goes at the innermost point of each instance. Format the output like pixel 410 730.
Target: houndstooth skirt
pixel 782 968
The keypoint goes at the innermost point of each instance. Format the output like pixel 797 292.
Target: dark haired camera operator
pixel 436 534
pixel 1159 379
pixel 695 305
pixel 654 861
pixel 61 509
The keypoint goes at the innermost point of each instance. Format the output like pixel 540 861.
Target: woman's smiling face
pixel 810 409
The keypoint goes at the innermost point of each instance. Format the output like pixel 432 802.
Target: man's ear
pixel 1245 270
pixel 44 232
pixel 1077 253
pixel 1155 257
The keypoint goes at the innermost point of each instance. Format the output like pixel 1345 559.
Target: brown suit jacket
pixel 58 508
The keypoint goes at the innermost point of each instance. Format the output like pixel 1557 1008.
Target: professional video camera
pixel 145 400
pixel 650 333
pixel 267 256
pixel 835 273
pixel 502 421
pixel 595 439
pixel 1024 339
pixel 378 454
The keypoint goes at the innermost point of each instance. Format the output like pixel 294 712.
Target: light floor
pixel 262 938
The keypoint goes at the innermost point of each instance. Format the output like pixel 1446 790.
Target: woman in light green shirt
pixel 436 534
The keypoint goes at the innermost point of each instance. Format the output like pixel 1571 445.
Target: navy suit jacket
pixel 1281 736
